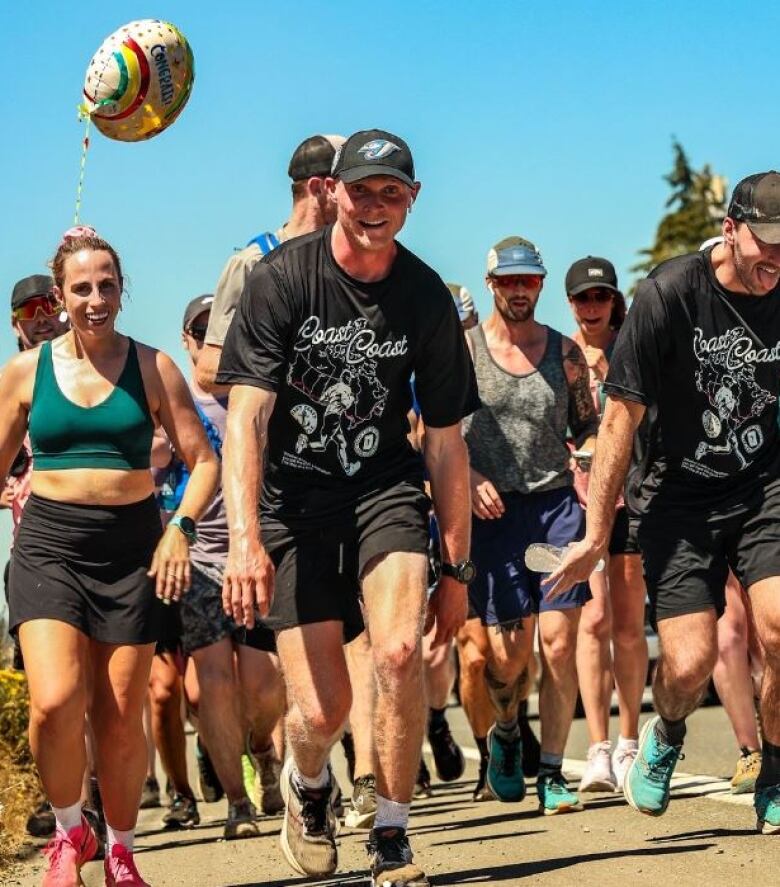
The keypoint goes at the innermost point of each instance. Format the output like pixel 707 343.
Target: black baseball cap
pixel 591 272
pixel 197 306
pixel 756 201
pixel 29 287
pixel 314 157
pixel 374 152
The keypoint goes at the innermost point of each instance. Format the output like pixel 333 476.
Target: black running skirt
pixel 86 565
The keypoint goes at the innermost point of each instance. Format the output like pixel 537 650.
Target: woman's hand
pixel 171 565
pixel 485 500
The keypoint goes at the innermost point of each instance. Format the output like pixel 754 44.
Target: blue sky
pixel 549 120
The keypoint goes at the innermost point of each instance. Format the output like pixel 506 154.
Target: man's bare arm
pixel 248 581
pixel 206 370
pixel 446 459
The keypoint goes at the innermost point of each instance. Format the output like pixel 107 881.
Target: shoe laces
pixel 55 849
pixel 389 847
pixel 509 753
pixel 122 864
pixel 598 749
pixel 555 782
pixel 365 785
pixel 442 735
pixel 660 769
pixel 314 809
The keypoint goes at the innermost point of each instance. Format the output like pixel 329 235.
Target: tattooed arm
pixel 583 419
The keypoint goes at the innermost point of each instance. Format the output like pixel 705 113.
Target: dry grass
pixel 19 787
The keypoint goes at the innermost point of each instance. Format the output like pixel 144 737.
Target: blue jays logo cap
pixel 756 201
pixel 374 152
pixel 514 255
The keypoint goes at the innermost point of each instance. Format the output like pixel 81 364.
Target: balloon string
pixel 84 149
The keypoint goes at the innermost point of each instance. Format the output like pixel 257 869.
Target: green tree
pixel 695 210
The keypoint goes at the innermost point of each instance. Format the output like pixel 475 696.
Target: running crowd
pixel 294 547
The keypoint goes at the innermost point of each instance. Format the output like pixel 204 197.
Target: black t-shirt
pixel 706 363
pixel 339 354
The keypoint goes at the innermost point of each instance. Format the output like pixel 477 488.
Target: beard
pixel 511 315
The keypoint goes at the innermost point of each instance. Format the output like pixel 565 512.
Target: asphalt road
pixel 707 835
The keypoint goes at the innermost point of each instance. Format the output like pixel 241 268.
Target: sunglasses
pixel 600 296
pixel 197 332
pixel 527 281
pixel 46 304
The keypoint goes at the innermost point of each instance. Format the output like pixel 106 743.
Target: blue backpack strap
pixel 265 241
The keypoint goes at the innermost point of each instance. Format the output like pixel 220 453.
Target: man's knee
pixel 559 651
pixel 58 709
pixel 323 718
pixel 687 671
pixel 596 620
pixel 396 659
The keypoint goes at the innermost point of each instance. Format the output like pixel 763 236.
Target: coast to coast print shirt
pixel 340 353
pixel 706 363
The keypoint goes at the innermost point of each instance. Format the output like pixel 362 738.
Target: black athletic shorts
pixel 686 553
pixel 624 534
pixel 204 621
pixel 318 569
pixel 86 565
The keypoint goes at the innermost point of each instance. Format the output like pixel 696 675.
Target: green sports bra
pixel 116 433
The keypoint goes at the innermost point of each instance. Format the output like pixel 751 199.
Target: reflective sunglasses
pixel 197 332
pixel 47 304
pixel 527 281
pixel 600 296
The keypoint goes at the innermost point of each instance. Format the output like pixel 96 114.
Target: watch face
pixel 188 525
pixel 468 572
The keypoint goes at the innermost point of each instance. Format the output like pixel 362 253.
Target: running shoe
pixel 310 826
pixel 447 755
pixel 531 749
pixel 390 860
pixel 41 822
pixel 120 870
pixel 482 789
pixel 422 785
pixel 362 810
pixel 622 758
pixel 743 782
pixel 210 786
pixel 241 821
pixel 599 775
pixel 66 854
pixel 348 744
pixel 183 813
pixel 505 767
pixel 554 795
pixel 767 804
pixel 266 770
pixel 150 794
pixel 648 781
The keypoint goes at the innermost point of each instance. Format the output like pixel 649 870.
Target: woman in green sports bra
pixel 91 567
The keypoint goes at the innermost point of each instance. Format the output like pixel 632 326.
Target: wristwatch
pixel 186 525
pixel 464 572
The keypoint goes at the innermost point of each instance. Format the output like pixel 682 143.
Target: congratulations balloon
pixel 139 80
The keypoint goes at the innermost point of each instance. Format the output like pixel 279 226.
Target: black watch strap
pixel 464 571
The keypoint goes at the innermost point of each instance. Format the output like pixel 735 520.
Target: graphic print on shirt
pixel 336 369
pixel 727 375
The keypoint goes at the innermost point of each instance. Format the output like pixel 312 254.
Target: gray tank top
pixel 517 439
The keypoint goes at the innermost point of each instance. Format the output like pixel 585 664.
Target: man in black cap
pixel 35 314
pixel 699 353
pixel 326 337
pixel 311 209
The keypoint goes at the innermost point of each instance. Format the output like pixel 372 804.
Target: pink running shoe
pixel 67 853
pixel 120 869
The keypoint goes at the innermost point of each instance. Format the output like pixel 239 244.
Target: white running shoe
pixel 599 776
pixel 622 759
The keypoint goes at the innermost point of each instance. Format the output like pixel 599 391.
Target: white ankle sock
pixel 313 783
pixel 391 813
pixel 67 817
pixel 624 743
pixel 115 836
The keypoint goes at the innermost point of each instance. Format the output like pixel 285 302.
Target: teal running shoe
pixel 505 767
pixel 648 779
pixel 767 804
pixel 554 794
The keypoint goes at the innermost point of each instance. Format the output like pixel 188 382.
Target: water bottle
pixel 540 557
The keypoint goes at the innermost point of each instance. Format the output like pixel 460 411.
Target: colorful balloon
pixel 139 80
